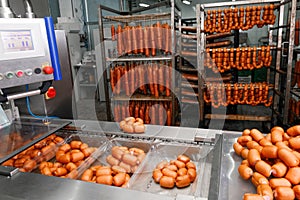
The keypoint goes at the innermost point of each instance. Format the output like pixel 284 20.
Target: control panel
pixel 24 52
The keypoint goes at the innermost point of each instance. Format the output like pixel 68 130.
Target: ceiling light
pixel 144 5
pixel 187 2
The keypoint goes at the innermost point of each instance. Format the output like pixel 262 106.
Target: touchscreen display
pixel 14 41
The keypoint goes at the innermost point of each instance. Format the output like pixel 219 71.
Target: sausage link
pixel 256 135
pixel 105 179
pixel 134 40
pixel 279 169
pixel 253 157
pixel 276 182
pixel 183 181
pixel 296 189
pixel 167 182
pixel 112 29
pixel 258 179
pixel 169 173
pixel 269 151
pixel 119 40
pixel 87 175
pixel 284 193
pixel 293 175
pixel 288 157
pixel 157 174
pixel 248 196
pixel 265 190
pixel 119 179
pixel 295 142
pixel 245 172
pixel 243 140
pixel 161 87
pixel 263 168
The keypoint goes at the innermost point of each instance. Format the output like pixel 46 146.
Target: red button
pixel 48 70
pixel 19 73
pixel 51 93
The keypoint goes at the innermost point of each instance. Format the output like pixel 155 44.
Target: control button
pixel 51 93
pixel 37 70
pixel 28 72
pixel 1 77
pixel 48 70
pixel 19 73
pixel 9 75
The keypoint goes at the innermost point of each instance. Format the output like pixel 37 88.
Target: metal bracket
pixel 8 171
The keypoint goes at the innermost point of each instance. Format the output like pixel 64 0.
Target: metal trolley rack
pixel 111 57
pixel 276 50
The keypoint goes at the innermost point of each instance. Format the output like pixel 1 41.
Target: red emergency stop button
pixel 48 70
pixel 51 93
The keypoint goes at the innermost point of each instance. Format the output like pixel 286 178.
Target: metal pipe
pixel 28 9
pixel 5 11
pixel 24 94
pixel 4 3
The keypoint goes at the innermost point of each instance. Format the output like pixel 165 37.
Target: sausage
pixel 276 136
pixel 183 158
pixel 112 30
pixel 140 38
pixel 155 80
pixel 256 135
pixel 251 144
pixel 258 179
pixel 293 131
pixel 112 160
pixel 71 166
pixel 172 167
pixel 243 140
pixel 167 80
pixel 179 164
pixel 253 156
pixel 157 174
pixel 125 166
pixel 65 148
pixel 265 190
pixel 105 179
pixel 288 157
pixel 152 115
pixel 150 79
pixel 269 151
pixel 296 189
pixel 119 179
pixel 119 40
pixel 263 168
pixel 182 171
pixel 276 182
pixel 112 79
pixel 104 171
pixel 295 142
pixel 264 142
pixel 134 40
pixel 245 172
pixel 29 165
pixel 248 196
pixel 77 156
pixel 167 182
pixel 192 174
pixel 75 144
pixel 244 153
pixel 87 175
pixel 118 169
pixel 60 171
pixel 279 169
pixel 183 181
pixel 169 117
pixel 152 40
pixel 161 83
pixel 146 41
pixel 284 193
pixel 117 152
pixel 293 175
pixel 159 35
pixel 129 159
pixel 169 173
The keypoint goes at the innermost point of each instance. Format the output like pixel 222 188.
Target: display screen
pixel 14 41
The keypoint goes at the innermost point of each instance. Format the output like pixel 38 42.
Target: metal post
pixel 290 62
